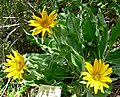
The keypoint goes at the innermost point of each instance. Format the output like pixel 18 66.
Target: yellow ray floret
pixel 44 23
pixel 15 65
pixel 98 75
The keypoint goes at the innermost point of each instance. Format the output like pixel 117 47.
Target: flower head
pixel 43 23
pixel 97 75
pixel 16 65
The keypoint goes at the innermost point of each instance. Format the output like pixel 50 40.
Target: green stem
pixel 69 64
pixel 108 51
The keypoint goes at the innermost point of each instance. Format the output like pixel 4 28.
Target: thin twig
pixel 117 92
pixel 5 87
pixel 15 41
pixel 3 59
pixel 11 33
pixel 9 17
pixel 29 4
pixel 12 25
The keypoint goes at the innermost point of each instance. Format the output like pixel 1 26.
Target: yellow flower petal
pixel 107 72
pixel 53 23
pixel 9 61
pixel 16 65
pixel 88 83
pixel 106 79
pixel 43 24
pixel 96 87
pixel 16 55
pixel 7 64
pixel 85 73
pixel 89 67
pixel 104 68
pixel 98 75
pixel 10 56
pixel 101 89
pixel 89 78
pixel 13 73
pixel 44 13
pixel 49 31
pixel 52 13
pixel 95 66
pixel 37 31
pixel 43 32
pixel 36 18
pixel 52 17
pixel 105 85
pixel 100 65
pixel 10 69
pixel 34 23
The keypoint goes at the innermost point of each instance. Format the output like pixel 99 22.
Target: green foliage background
pixel 87 29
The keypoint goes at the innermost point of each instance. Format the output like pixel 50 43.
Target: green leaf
pixel 76 62
pixel 114 56
pixel 29 76
pixel 74 37
pixel 73 23
pixel 62 23
pixel 116 69
pixel 79 58
pixel 88 30
pixel 102 35
pixel 101 19
pixel 115 32
pixel 89 93
pixel 35 60
pixel 29 36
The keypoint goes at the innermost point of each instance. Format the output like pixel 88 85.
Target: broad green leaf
pixel 101 20
pixel 76 62
pixel 114 56
pixel 115 32
pixel 102 35
pixel 59 36
pixel 88 30
pixel 62 23
pixel 37 63
pixel 56 72
pixel 116 69
pixel 90 52
pixel 73 23
pixel 74 37
pixel 72 41
pixel 79 58
pixel 35 58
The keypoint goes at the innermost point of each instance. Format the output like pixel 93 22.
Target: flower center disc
pixel 97 76
pixel 45 24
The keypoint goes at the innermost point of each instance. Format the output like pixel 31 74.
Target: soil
pixel 116 89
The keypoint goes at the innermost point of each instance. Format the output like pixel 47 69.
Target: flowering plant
pixel 77 53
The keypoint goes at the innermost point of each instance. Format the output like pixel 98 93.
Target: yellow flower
pixel 16 65
pixel 98 75
pixel 43 23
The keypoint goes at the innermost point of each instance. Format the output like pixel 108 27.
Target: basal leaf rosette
pixel 15 64
pixel 97 76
